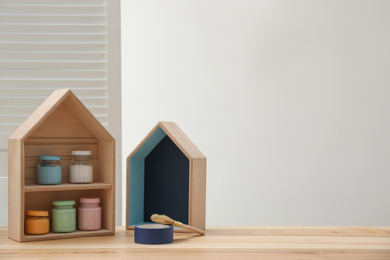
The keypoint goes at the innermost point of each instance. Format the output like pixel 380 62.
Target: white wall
pixel 289 101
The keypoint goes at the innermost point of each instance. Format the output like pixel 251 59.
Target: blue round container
pixel 153 234
pixel 49 170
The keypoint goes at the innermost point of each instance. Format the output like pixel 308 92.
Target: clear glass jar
pixel 37 222
pixel 63 216
pixel 89 214
pixel 49 170
pixel 81 168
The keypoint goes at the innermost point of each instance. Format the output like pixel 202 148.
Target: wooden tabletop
pixel 220 242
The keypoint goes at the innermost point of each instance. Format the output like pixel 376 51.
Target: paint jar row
pixel 49 169
pixel 63 217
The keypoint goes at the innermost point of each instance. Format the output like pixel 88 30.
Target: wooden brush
pixel 167 220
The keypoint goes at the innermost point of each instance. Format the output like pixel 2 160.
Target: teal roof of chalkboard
pixel 162 129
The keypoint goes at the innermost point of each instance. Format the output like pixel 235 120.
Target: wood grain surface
pixel 60 125
pixel 229 242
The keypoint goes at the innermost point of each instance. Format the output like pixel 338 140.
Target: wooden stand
pixel 166 174
pixel 60 125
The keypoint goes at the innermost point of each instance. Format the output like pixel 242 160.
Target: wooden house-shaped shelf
pixel 60 125
pixel 166 174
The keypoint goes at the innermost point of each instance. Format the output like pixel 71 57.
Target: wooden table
pixel 229 242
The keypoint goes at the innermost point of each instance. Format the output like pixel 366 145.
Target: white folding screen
pixel 52 44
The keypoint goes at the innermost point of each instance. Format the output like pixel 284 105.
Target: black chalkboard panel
pixel 166 182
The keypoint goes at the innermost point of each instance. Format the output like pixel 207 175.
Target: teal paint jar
pixel 49 170
pixel 63 216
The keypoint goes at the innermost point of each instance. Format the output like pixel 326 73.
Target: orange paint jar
pixel 37 222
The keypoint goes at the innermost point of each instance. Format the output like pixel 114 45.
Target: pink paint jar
pixel 89 214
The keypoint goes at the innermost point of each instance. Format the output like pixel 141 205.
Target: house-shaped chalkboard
pixel 60 125
pixel 166 174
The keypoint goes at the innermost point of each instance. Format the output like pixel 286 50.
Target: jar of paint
pixel 37 222
pixel 49 170
pixel 81 168
pixel 89 214
pixel 63 216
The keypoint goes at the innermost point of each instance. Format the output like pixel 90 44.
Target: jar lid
pixel 89 200
pixel 63 202
pixel 49 157
pixel 37 213
pixel 81 153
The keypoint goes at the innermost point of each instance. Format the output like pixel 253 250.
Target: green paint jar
pixel 63 216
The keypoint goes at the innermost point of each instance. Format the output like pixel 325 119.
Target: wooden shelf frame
pixel 60 125
pixel 195 172
pixel 77 233
pixel 67 186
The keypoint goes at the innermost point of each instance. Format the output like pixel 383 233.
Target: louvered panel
pixel 50 2
pixel 52 9
pixel 50 83
pixel 80 92
pixel 4 216
pixel 36 101
pixel 52 28
pixel 53 19
pixel 49 65
pixel 18 119
pixel 53 74
pixel 12 119
pixel 52 47
pixel 8 127
pixel 26 110
pixel 3 190
pixel 63 56
pixel 53 37
pixel 3 141
pixel 47 45
pixel 3 196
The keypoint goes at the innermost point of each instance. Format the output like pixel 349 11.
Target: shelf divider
pixel 77 233
pixel 67 186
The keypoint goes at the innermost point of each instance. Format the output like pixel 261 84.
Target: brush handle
pixel 189 228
